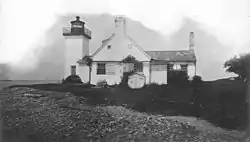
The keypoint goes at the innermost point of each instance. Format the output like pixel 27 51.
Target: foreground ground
pixel 222 98
pixel 4 83
pixel 47 116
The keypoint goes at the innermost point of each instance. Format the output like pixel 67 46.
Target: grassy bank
pixel 222 98
pixel 35 115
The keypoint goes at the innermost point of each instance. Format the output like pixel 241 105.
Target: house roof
pixel 104 43
pixel 175 56
pixel 138 46
pixel 84 60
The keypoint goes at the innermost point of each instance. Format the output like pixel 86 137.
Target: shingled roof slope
pixel 84 60
pixel 175 56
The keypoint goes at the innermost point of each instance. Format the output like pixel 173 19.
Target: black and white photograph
pixel 124 70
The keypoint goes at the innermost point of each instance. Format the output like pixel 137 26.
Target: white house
pixel 120 53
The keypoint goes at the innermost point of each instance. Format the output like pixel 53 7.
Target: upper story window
pixel 129 46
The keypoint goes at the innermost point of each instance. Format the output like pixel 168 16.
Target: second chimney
pixel 120 26
pixel 191 41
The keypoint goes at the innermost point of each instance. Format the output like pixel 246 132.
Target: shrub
pixel 152 85
pixel 196 79
pixel 72 79
pixel 155 86
pixel 177 77
pixel 114 85
pixel 102 83
pixel 62 80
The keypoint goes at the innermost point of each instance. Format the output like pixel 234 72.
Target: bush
pixel 152 85
pixel 72 79
pixel 196 79
pixel 155 86
pixel 177 77
pixel 102 83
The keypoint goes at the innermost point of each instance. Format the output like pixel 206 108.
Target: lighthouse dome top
pixel 77 23
pixel 77 29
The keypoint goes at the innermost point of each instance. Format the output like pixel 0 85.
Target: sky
pixel 23 23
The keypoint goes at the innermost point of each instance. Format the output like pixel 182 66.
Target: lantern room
pixel 77 28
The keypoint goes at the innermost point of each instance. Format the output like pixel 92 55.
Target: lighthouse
pixel 77 38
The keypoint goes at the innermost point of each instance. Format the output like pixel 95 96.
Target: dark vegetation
pixel 221 102
pixel 72 79
pixel 177 77
pixel 102 83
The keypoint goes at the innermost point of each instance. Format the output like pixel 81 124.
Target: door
pixel 73 70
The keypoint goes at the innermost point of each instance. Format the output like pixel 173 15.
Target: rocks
pixel 58 117
pixel 32 95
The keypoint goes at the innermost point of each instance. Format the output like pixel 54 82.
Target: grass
pixel 222 98
pixel 7 83
pixel 48 119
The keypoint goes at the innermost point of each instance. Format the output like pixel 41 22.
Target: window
pixel 177 67
pixel 129 46
pixel 101 68
pixel 106 69
pixel 138 67
pixel 73 70
pixel 110 69
pixel 109 46
pixel 170 67
pixel 184 67
pixel 77 26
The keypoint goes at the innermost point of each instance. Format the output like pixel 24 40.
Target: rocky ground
pixel 45 116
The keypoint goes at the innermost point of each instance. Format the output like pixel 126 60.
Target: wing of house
pixel 163 61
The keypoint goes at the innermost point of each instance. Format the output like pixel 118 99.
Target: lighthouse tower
pixel 77 39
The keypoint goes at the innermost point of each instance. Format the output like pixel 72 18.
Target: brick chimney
pixel 191 41
pixel 120 25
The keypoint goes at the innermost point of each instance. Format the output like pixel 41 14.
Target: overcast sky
pixel 24 22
